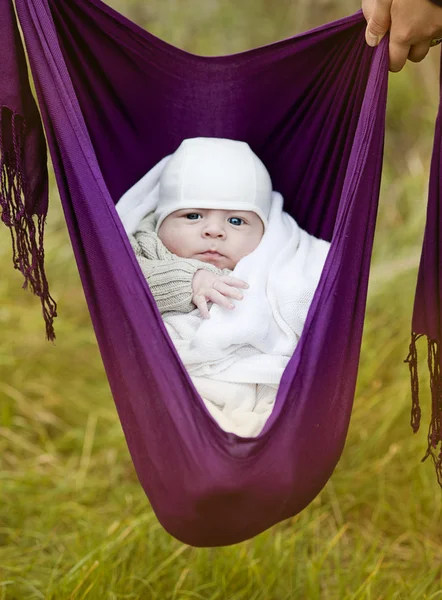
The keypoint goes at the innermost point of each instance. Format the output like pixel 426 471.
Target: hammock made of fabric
pixel 114 100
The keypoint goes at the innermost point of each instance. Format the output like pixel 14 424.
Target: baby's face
pixel 190 233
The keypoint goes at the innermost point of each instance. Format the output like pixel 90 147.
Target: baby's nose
pixel 214 231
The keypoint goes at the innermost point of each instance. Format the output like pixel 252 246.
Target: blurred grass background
pixel 74 521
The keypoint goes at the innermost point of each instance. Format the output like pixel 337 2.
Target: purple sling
pixel 114 100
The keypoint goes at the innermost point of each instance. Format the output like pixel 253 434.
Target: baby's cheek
pixel 164 239
pixel 170 246
pixel 171 241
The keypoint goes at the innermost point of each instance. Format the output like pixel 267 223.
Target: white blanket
pixel 236 358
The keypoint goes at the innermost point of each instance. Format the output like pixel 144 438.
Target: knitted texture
pixel 169 276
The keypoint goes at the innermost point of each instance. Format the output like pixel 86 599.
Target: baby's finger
pixel 201 304
pixel 218 298
pixel 227 290
pixel 234 281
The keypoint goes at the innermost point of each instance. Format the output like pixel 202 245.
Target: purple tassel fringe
pixel 26 234
pixel 435 428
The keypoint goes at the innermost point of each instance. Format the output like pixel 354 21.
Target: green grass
pixel 74 521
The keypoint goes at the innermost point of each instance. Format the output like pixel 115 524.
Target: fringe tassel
pixel 26 235
pixel 435 428
pixel 412 364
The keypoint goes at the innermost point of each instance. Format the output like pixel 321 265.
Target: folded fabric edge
pixel 26 233
pixel 435 427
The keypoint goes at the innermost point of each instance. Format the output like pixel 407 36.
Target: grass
pixel 74 521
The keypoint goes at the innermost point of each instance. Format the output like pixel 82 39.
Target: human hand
pixel 414 24
pixel 203 287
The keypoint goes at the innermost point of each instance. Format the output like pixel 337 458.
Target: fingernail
pixel 231 306
pixel 372 39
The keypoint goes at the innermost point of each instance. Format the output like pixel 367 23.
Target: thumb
pixel 379 22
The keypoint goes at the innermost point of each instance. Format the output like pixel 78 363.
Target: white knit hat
pixel 214 173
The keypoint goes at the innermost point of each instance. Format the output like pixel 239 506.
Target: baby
pixel 214 200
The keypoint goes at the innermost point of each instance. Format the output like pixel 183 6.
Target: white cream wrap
pixel 237 357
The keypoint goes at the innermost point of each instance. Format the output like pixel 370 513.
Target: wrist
pixel 195 275
pixel 198 278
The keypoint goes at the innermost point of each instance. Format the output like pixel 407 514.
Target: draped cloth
pixel 114 100
pixel 23 169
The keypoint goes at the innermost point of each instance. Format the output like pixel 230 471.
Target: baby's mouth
pixel 212 253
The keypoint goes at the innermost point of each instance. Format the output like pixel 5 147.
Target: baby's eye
pixel 190 215
pixel 236 219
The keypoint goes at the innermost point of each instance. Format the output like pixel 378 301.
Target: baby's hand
pixel 216 288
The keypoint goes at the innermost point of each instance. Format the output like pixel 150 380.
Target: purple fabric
pixel 17 100
pixel 115 100
pixel 23 168
pixel 427 308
